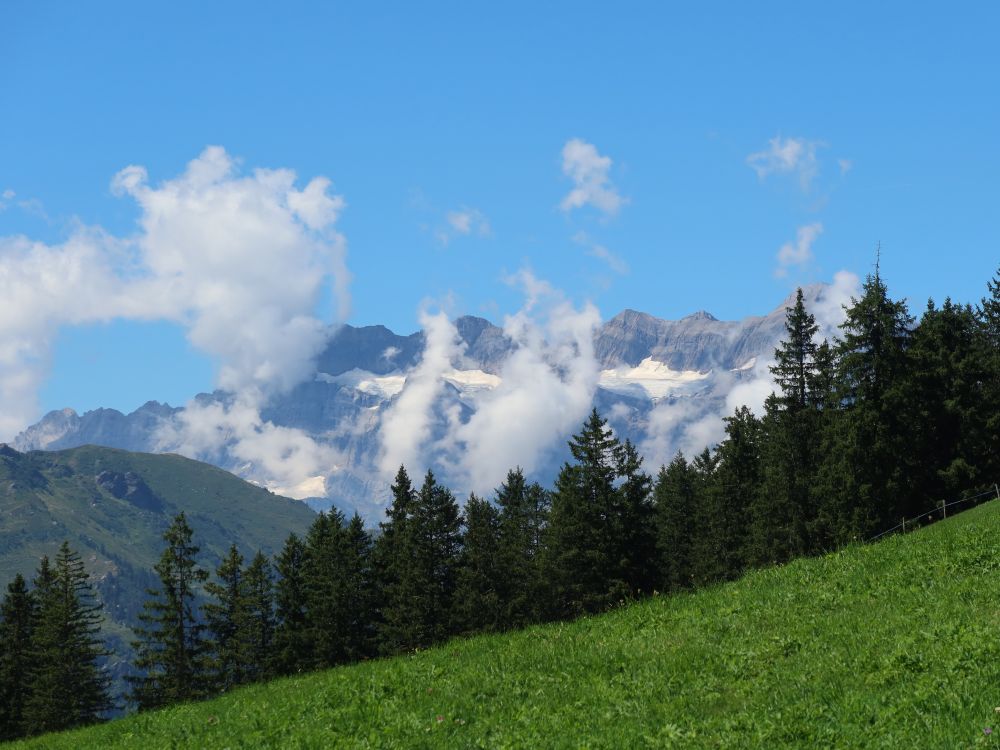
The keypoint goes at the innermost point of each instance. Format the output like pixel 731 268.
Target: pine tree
pixel 292 646
pixel 524 512
pixel 17 623
pixel 478 606
pixel 171 649
pixel 258 626
pixel 988 314
pixel 394 554
pixel 225 616
pixel 437 541
pixel 633 523
pixel 873 365
pixel 359 602
pixel 733 487
pixel 68 687
pixel 325 574
pixel 583 539
pixel 674 500
pixel 795 358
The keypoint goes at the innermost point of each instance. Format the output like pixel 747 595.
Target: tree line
pixel 882 423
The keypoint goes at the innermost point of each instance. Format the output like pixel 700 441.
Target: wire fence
pixel 938 513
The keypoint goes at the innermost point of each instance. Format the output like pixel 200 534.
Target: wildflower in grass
pixel 988 731
pixel 440 719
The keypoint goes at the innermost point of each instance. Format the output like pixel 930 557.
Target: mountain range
pixel 656 378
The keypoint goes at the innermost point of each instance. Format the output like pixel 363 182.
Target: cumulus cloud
pixel 547 387
pixel 589 172
pixel 829 310
pixel 795 156
pixel 406 425
pixel 240 261
pixel 800 252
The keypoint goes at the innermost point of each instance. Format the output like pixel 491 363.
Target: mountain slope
pixel 113 506
pixel 889 645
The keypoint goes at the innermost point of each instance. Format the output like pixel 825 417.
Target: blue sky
pixel 869 122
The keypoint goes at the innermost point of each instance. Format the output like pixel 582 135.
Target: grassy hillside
pixel 892 645
pixel 113 507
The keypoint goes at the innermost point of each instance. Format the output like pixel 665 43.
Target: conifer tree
pixel 225 616
pixel 795 358
pixel 326 589
pixel 437 541
pixel 359 602
pixel 394 554
pixel 674 500
pixel 633 524
pixel 171 649
pixel 524 511
pixel 873 365
pixel 584 538
pixel 734 486
pixel 68 687
pixel 988 314
pixel 478 606
pixel 258 626
pixel 17 622
pixel 292 645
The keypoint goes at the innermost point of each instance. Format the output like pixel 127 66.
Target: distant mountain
pixel 113 506
pixel 645 361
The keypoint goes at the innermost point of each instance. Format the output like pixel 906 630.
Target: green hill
pixel 891 645
pixel 113 506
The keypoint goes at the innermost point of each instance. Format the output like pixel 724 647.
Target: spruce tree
pixel 437 541
pixel 583 539
pixel 674 500
pixel 326 572
pixel 524 512
pixel 359 583
pixel 873 363
pixel 225 616
pixel 258 626
pixel 633 524
pixel 17 622
pixel 795 358
pixel 171 648
pixel 478 605
pixel 68 686
pixel 394 554
pixel 988 314
pixel 292 646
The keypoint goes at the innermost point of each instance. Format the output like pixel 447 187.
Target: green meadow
pixel 895 644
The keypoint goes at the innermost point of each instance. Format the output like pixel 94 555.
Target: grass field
pixel 892 645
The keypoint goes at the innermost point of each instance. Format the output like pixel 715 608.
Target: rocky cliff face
pixel 648 364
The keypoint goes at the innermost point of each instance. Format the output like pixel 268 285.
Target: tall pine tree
pixel 17 623
pixel 171 649
pixel 68 686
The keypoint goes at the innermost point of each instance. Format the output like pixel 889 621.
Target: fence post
pixel 904 525
pixel 997 490
pixel 944 509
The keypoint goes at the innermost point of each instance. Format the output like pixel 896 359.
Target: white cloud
pixel 406 424
pixel 464 222
pixel 800 252
pixel 829 308
pixel 546 389
pixel 239 261
pixel 787 156
pixel 589 172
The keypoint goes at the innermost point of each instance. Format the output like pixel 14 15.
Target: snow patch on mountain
pixel 651 379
